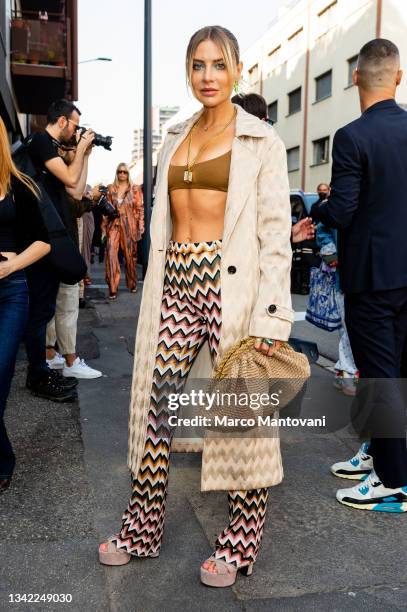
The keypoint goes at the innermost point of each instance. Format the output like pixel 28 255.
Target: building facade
pixel 303 67
pixel 138 143
pixel 38 60
pixel 160 116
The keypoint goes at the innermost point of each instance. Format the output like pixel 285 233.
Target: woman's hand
pixel 261 345
pixel 303 230
pixel 7 268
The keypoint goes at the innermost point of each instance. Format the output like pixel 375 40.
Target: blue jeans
pixel 13 319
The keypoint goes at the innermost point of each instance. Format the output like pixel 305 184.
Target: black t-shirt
pixel 42 148
pixel 7 224
pixel 29 225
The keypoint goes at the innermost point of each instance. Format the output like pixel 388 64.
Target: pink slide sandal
pixel 225 573
pixel 109 554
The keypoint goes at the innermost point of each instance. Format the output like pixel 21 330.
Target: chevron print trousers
pixel 190 314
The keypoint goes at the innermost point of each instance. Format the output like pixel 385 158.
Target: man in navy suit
pixel 368 204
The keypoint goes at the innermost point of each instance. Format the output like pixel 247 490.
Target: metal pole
pixel 147 148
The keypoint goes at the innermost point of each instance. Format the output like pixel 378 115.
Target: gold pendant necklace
pixel 188 174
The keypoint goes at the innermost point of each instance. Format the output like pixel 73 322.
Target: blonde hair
pixel 116 181
pixel 8 168
pixel 223 38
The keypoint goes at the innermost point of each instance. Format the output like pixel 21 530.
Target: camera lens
pixel 99 140
pixel 103 141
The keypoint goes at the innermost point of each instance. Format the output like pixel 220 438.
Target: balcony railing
pixel 38 41
pixel 44 55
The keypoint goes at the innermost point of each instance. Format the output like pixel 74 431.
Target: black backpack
pixel 64 257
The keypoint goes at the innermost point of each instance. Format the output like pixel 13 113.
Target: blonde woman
pixel 124 230
pixel 23 240
pixel 219 270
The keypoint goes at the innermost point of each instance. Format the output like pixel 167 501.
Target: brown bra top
pixel 210 174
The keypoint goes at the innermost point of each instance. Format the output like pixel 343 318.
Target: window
pixel 254 74
pixel 293 159
pixel 323 86
pixel 295 41
pixel 327 18
pixel 294 101
pixel 352 63
pixel 272 111
pixel 274 58
pixel 321 151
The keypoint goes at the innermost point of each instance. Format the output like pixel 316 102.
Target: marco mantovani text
pixel 256 421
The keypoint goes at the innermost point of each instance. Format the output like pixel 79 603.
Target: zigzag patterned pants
pixel 190 314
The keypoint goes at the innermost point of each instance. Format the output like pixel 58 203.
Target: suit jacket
pixel 368 200
pixel 255 290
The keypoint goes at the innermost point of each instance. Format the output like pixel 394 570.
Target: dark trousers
pixel 404 360
pixel 377 328
pixel 43 288
pixel 13 319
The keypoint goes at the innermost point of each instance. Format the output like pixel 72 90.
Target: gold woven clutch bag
pixel 244 372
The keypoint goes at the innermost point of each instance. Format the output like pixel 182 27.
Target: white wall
pixel 394 27
pixel 356 23
pixel 332 40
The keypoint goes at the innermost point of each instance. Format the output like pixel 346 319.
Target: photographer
pixel 123 230
pixel 56 177
pixel 62 329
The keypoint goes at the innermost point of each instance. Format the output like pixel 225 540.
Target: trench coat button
pixel 232 270
pixel 272 308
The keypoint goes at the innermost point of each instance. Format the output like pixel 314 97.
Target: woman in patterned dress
pixel 123 231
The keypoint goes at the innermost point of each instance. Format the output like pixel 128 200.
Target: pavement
pixel 71 486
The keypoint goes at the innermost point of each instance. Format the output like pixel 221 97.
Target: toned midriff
pixel 198 208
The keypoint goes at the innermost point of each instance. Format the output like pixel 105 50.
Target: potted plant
pixel 20 58
pixel 34 56
pixel 18 22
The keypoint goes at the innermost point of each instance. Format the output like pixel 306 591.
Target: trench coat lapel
pixel 244 168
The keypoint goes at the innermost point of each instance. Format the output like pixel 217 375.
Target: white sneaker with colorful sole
pixel 356 468
pixel 372 495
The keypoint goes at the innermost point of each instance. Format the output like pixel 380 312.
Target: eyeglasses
pixel 70 121
pixel 122 172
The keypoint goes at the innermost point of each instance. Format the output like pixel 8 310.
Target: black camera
pixel 99 140
pixel 105 207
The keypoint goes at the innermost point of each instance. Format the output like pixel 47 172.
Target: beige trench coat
pixel 256 299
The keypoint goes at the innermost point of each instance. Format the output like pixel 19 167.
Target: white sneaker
pixel 57 362
pixel 371 494
pixel 79 369
pixel 356 468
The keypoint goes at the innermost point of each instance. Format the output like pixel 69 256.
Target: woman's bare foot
pixel 210 566
pixel 109 554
